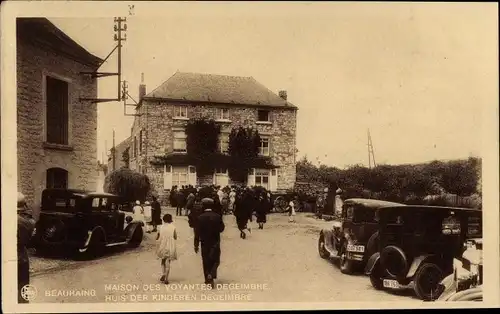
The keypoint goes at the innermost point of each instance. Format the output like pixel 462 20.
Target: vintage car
pixel 353 239
pixel 83 222
pixel 417 246
pixel 466 282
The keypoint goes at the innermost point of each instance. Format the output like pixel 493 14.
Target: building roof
pixel 221 89
pixel 41 32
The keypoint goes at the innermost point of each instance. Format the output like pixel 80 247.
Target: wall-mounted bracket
pixel 119 27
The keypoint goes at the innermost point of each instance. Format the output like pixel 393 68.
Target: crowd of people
pixel 205 207
pixel 242 202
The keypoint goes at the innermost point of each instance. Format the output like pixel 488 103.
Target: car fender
pixel 417 261
pixel 328 236
pixel 130 229
pixel 372 262
pixel 91 233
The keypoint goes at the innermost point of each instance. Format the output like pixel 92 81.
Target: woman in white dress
pixel 139 214
pixel 147 216
pixel 291 211
pixel 166 246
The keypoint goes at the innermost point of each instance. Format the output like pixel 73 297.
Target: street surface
pixel 281 262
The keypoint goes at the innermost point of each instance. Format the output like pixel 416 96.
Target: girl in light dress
pixel 139 214
pixel 166 246
pixel 291 211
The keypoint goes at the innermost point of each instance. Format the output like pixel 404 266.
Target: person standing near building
pixel 139 214
pixel 25 226
pixel 261 210
pixel 179 200
pixel 232 200
pixel 190 202
pixel 209 226
pixel 148 216
pixel 155 213
pixel 291 209
pixel 320 205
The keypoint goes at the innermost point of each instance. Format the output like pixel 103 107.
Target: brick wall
pixel 33 64
pixel 158 124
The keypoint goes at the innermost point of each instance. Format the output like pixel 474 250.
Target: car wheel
pixel 426 281
pixel 376 277
pixel 321 247
pixel 346 265
pixel 136 239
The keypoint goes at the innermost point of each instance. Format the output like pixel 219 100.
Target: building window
pixel 140 142
pixel 224 143
pixel 57 115
pixel 179 176
pixel 263 116
pixel 221 114
pixel 262 178
pixel 264 146
pixel 221 171
pixel 180 141
pixel 180 112
pixel 56 178
pixel 135 146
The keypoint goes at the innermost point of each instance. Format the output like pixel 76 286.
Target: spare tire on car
pixel 394 261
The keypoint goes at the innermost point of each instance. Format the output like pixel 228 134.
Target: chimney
pixel 282 94
pixel 142 88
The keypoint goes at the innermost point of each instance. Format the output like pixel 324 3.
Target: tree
pixel 129 184
pixel 202 143
pixel 243 148
pixel 126 157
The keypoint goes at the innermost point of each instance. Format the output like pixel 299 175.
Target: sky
pixel 417 75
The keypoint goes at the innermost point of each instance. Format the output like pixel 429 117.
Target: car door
pixel 111 216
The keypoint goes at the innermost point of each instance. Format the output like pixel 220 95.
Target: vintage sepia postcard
pixel 186 156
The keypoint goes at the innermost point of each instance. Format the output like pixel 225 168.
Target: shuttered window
pixel 57 115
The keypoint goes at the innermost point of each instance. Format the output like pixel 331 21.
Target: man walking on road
pixel 209 226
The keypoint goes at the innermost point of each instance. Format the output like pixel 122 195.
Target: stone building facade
pixel 56 131
pixel 159 129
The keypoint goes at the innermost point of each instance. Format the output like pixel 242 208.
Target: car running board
pixel 115 244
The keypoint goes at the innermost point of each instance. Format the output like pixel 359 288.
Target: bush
pixel 129 184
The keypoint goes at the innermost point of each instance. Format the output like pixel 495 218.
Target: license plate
pixel 388 283
pixel 355 248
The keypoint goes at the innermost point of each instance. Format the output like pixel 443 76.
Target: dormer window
pixel 263 116
pixel 180 112
pixel 222 114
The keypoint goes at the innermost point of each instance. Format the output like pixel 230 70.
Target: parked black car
pixel 353 239
pixel 417 244
pixel 83 222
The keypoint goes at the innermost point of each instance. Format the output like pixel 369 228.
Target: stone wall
pixel 80 157
pixel 157 123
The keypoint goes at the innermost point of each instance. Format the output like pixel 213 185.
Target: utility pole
pixel 371 152
pixel 118 37
pixel 114 152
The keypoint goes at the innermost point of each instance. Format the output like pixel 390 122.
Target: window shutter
pixel 273 180
pixel 167 177
pixel 251 177
pixel 192 175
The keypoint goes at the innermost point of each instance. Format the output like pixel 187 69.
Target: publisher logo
pixel 29 292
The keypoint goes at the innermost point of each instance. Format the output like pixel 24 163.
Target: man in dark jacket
pixel 209 226
pixel 25 226
pixel 155 213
